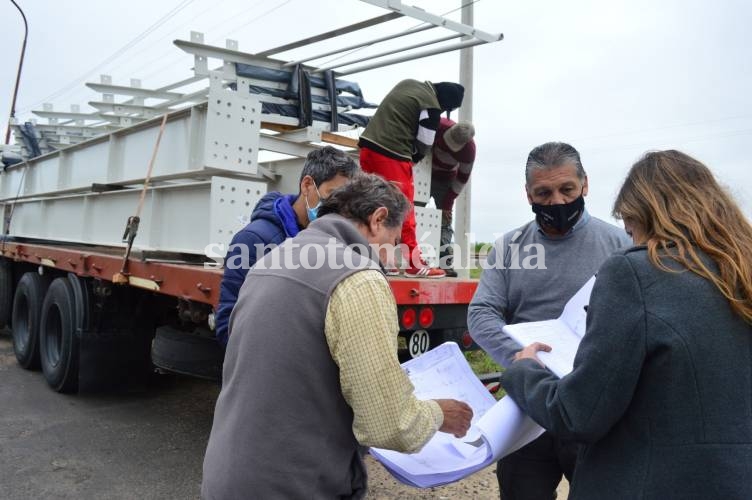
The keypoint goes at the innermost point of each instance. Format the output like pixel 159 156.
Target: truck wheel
pixel 27 307
pixel 6 292
pixel 58 344
pixel 187 353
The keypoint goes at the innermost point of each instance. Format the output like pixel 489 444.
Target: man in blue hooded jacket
pixel 275 218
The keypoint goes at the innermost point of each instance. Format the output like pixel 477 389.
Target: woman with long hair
pixel 661 390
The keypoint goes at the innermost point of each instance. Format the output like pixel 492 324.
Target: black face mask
pixel 561 217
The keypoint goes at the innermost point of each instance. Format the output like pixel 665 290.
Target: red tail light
pixel 467 340
pixel 408 318
pixel 426 317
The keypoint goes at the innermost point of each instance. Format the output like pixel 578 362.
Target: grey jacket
pixel 661 391
pixel 282 428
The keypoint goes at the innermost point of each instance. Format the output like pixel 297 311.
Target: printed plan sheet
pixel 498 428
pixel 562 334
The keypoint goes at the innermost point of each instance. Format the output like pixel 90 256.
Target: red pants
pixel 401 173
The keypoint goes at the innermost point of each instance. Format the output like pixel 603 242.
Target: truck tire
pixel 186 353
pixel 27 308
pixel 58 343
pixel 6 292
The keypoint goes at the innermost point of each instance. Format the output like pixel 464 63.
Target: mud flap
pixel 115 330
pixel 113 360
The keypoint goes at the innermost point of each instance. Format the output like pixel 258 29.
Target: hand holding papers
pixel 498 428
pixel 562 334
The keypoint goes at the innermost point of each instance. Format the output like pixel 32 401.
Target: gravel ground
pixel 480 486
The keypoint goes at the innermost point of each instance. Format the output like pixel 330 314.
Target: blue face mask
pixel 313 212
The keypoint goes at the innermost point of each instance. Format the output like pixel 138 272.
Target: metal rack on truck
pixel 96 307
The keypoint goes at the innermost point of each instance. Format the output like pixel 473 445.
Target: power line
pixel 76 84
pixel 657 143
pixel 259 17
pixel 171 50
pixel 134 72
pixel 78 81
pixel 164 68
pixel 663 127
pixel 181 26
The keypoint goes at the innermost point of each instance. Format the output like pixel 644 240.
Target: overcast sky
pixel 614 79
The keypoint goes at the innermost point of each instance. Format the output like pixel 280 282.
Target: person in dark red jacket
pixel 275 218
pixel 452 158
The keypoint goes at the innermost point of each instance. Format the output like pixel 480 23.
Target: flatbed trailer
pixel 430 311
pixel 97 308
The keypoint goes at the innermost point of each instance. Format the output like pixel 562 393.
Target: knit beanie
pixel 449 95
pixel 458 135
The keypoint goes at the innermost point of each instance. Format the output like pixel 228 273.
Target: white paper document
pixel 562 334
pixel 498 428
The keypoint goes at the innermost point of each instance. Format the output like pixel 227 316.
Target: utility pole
pixel 18 74
pixel 462 206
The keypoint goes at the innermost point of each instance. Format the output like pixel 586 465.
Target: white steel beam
pixel 428 233
pixel 422 15
pixel 81 131
pixel 112 158
pixel 331 34
pixel 362 44
pixel 193 97
pixel 228 55
pixel 306 134
pixel 422 180
pixel 279 145
pixel 182 217
pixel 125 109
pixel 411 57
pixel 132 91
pixel 65 115
pixel 388 53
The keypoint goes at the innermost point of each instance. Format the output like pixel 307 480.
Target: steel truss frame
pixel 214 136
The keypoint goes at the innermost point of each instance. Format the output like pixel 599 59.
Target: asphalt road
pixel 139 445
pixel 143 445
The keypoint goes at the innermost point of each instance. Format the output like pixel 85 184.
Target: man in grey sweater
pixel 529 275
